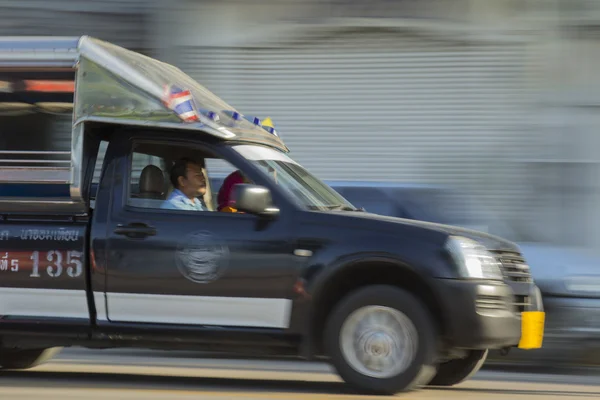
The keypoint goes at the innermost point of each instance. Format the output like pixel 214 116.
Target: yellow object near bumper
pixel 532 329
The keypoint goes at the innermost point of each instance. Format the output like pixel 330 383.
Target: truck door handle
pixel 135 230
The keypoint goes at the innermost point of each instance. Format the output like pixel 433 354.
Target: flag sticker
pixel 181 102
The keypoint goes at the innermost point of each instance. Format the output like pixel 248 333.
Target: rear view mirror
pixel 253 199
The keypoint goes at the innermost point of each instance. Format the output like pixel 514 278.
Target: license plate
pixel 532 329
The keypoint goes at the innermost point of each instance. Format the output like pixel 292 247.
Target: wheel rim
pixel 380 342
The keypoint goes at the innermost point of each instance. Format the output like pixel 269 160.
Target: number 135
pixel 73 264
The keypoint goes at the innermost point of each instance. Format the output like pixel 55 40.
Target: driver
pixel 188 182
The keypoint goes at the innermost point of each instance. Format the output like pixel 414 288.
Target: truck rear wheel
pixel 456 371
pixel 25 358
pixel 382 340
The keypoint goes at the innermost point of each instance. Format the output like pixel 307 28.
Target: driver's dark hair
pixel 179 168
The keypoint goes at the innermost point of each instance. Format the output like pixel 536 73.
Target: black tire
pixel 422 367
pixel 25 358
pixel 456 371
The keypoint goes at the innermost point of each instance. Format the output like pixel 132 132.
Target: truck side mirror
pixel 254 199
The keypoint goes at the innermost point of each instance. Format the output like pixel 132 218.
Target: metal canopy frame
pixel 110 85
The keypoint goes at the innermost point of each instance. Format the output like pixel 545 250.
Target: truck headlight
pixel 473 260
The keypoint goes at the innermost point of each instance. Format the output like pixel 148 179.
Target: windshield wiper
pixel 343 207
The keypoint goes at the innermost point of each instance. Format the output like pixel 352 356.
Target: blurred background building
pixel 498 97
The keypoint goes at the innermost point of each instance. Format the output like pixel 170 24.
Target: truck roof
pixel 92 81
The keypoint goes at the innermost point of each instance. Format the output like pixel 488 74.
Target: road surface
pixel 110 374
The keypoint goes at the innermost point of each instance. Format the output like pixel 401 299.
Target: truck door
pixel 190 267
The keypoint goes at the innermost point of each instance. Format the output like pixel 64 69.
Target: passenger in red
pixel 225 202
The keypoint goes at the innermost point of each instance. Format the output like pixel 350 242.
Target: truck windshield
pixel 309 191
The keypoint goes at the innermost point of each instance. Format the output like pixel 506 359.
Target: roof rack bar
pixel 37 152
pixel 55 175
pixel 14 161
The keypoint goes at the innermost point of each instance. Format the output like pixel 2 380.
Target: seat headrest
pixel 152 182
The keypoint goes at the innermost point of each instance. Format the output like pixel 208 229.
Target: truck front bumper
pixel 486 315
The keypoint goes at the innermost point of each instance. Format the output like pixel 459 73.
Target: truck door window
pixel 147 180
pixel 150 185
pixel 142 163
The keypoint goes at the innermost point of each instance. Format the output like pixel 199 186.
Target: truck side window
pixel 147 181
pixel 141 164
pixel 150 183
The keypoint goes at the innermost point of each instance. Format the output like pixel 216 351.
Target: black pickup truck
pixel 126 258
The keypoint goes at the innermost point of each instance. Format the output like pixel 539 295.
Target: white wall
pixel 561 161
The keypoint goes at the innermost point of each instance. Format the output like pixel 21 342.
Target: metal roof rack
pixel 69 82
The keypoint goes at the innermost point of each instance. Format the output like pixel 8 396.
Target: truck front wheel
pixel 381 339
pixel 456 371
pixel 25 358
